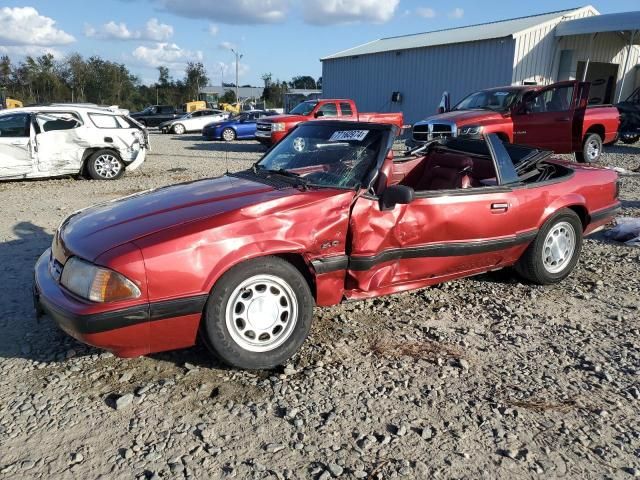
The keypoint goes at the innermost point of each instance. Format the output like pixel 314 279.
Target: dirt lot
pixel 481 378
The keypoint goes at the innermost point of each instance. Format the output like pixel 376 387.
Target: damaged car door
pixel 60 142
pixel 16 145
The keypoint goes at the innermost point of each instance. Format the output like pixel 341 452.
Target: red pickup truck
pixel 553 117
pixel 271 130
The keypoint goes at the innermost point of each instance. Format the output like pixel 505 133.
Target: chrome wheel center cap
pixel 262 313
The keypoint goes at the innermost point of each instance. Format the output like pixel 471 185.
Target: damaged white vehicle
pixel 100 143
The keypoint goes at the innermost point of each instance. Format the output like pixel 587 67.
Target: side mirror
pixel 318 114
pixel 445 103
pixel 397 195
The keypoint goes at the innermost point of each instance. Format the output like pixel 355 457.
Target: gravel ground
pixel 480 378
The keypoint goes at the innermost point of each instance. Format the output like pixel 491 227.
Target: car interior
pixel 463 164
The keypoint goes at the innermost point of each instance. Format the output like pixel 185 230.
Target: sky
pixel 282 37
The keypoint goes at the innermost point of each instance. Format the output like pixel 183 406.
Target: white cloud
pixel 213 29
pixel 233 12
pixel 25 26
pixel 168 54
pixel 153 31
pixel 228 70
pixel 228 46
pixel 426 12
pixel 159 32
pixel 30 50
pixel 456 13
pixel 328 12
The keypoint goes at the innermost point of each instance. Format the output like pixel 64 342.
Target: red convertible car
pixel 326 215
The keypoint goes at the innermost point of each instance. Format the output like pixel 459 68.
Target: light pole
pixel 238 57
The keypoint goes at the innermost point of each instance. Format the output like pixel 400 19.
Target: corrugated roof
pixel 472 33
pixel 610 22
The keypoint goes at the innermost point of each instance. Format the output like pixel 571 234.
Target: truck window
pixel 328 110
pixel 165 109
pixel 556 99
pixel 16 125
pixel 345 108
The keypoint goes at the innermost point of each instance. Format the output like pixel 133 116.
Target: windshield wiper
pixel 281 171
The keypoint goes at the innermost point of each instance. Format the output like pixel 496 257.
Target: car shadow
pixel 240 146
pixel 21 335
pixel 623 149
pixel 630 203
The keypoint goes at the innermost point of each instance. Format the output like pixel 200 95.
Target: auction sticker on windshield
pixel 349 135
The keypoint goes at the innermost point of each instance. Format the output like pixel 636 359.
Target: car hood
pixel 465 117
pixel 95 230
pixel 285 119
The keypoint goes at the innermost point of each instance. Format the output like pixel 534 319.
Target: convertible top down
pixel 327 214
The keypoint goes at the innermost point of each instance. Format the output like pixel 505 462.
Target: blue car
pixel 238 127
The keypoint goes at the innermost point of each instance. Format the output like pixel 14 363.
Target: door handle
pixel 563 120
pixel 499 207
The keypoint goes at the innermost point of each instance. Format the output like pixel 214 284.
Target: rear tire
pixel 591 149
pixel 258 315
pixel 105 165
pixel 554 253
pixel 228 134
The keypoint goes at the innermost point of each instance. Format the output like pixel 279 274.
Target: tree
pixel 304 81
pixel 228 97
pixel 195 77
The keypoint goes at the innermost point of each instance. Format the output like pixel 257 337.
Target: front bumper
pixel 128 331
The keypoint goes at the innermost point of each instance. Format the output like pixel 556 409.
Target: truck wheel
pixel 591 149
pixel 554 253
pixel 105 165
pixel 178 129
pixel 229 134
pixel 258 314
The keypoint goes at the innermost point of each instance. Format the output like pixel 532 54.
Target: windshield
pixel 149 110
pixel 239 117
pixel 304 108
pixel 497 100
pixel 321 155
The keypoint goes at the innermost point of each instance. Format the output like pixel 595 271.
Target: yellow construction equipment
pixel 194 106
pixel 230 107
pixel 6 102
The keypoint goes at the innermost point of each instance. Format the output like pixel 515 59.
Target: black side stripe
pixel 605 213
pixel 363 263
pixel 104 322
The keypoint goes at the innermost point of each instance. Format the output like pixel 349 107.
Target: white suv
pixel 65 139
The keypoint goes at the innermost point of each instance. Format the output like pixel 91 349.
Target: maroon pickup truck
pixel 271 130
pixel 553 117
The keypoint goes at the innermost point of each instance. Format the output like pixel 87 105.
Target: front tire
pixel 179 129
pixel 554 253
pixel 228 134
pixel 591 149
pixel 259 314
pixel 105 165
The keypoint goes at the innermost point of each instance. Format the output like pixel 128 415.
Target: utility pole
pixel 238 57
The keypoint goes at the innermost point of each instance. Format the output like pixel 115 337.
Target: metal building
pixel 539 49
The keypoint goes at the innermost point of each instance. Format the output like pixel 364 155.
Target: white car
pixel 61 139
pixel 193 122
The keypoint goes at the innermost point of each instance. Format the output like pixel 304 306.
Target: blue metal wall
pixel 420 74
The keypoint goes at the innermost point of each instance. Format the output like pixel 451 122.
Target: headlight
pixel 472 130
pixel 95 283
pixel 277 127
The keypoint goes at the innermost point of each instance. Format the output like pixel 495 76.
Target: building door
pixel 602 77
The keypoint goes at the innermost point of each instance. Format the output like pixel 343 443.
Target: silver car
pixel 193 122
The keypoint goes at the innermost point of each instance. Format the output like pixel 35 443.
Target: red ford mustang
pixel 326 215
